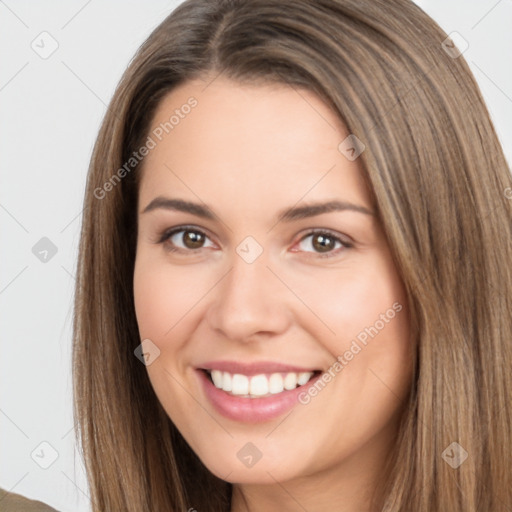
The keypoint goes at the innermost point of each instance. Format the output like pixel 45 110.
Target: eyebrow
pixel 286 215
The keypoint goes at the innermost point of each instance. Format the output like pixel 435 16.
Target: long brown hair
pixel 439 180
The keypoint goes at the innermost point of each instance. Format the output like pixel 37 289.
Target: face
pixel 261 264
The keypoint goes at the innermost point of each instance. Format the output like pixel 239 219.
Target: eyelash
pixel 166 235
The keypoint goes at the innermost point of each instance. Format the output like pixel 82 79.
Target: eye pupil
pixel 325 243
pixel 193 239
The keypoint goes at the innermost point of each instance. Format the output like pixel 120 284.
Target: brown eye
pixel 193 239
pixel 322 243
pixel 184 239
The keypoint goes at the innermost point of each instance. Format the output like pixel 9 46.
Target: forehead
pixel 253 146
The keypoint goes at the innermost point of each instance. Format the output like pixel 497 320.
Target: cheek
pixel 367 311
pixel 162 296
pixel 152 301
pixel 372 354
pixel 353 300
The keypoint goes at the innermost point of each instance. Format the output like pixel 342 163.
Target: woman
pixel 294 277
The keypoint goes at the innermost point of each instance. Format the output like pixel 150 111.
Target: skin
pixel 249 152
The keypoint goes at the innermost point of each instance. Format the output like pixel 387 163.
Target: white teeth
pixel 290 381
pixel 275 383
pixel 227 381
pixel 240 384
pixel 217 378
pixel 258 385
pixel 303 378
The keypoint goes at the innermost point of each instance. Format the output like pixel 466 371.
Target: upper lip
pixel 253 368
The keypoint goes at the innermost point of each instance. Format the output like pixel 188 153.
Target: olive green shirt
pixel 11 502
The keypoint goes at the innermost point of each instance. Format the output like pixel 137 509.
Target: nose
pixel 250 302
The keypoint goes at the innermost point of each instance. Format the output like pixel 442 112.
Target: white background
pixel 50 114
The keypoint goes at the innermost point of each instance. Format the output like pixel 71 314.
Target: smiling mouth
pixel 258 386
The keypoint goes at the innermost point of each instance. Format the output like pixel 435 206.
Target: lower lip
pixel 252 410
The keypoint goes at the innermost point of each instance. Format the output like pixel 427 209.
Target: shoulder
pixel 11 502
